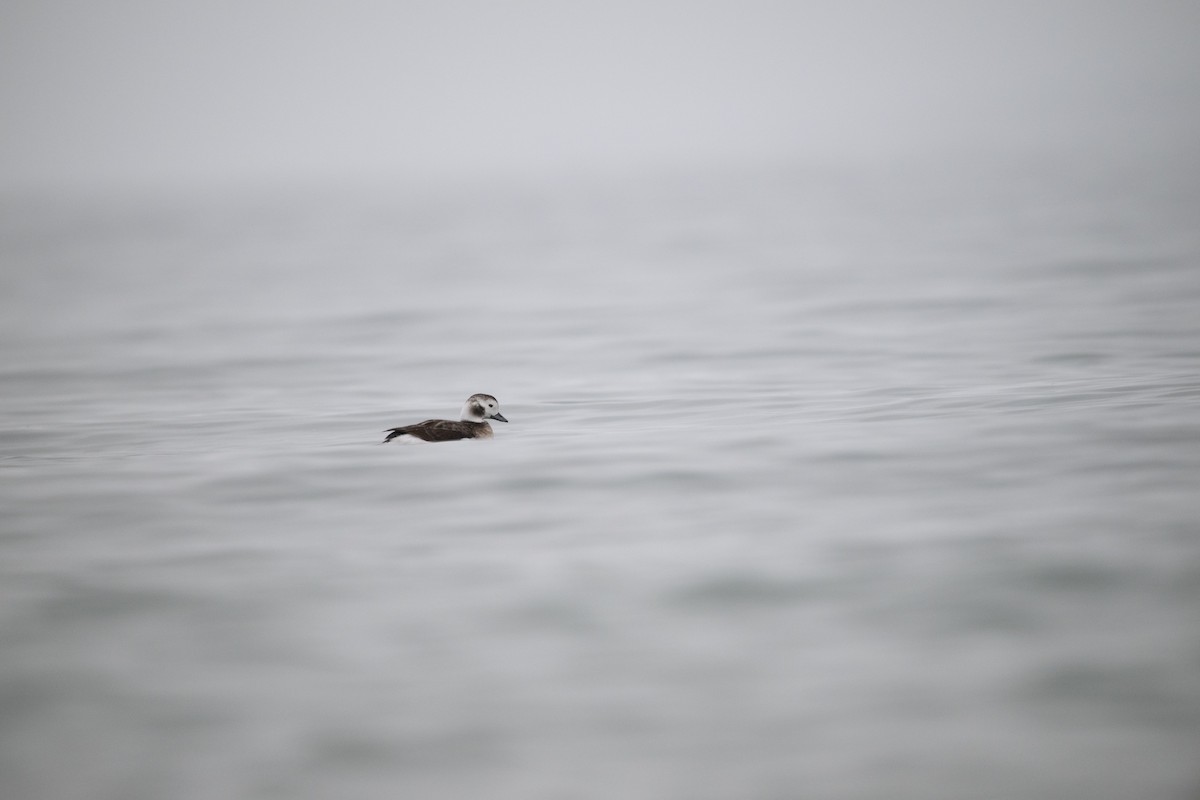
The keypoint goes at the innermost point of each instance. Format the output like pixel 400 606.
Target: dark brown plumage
pixel 443 430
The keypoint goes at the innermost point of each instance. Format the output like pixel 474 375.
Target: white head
pixel 480 408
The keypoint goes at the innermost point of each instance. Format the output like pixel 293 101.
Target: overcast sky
pixel 234 90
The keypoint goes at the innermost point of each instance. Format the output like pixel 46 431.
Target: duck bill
pixel 498 416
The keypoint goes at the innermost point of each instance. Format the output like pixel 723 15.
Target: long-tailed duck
pixel 472 423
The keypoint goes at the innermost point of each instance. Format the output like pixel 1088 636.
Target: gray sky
pixel 238 90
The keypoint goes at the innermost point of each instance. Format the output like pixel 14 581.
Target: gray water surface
pixel 817 484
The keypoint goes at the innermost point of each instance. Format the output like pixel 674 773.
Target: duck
pixel 471 424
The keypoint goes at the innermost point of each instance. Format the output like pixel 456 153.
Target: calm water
pixel 817 485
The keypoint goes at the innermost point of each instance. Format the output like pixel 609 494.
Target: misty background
pixel 851 356
pixel 138 93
